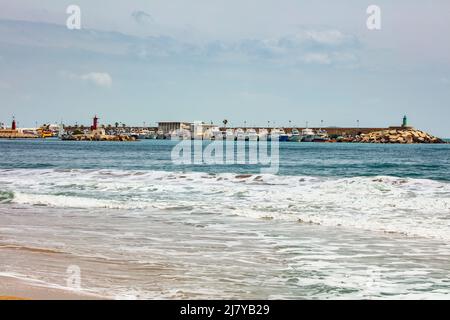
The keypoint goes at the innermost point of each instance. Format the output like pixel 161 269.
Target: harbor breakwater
pixel 399 135
pixel 15 134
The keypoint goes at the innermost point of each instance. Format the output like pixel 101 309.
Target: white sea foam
pixel 413 207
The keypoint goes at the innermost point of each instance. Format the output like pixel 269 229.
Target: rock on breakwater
pixel 402 135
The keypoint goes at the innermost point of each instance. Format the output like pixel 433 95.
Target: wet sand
pixel 15 289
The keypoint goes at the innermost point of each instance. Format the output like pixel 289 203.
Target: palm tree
pixel 225 122
pixel 116 124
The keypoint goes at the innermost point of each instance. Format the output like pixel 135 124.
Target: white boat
pixel 282 136
pixel 251 135
pixel 213 133
pixel 239 134
pixel 217 133
pixel 308 135
pixel 295 136
pixel 145 134
pixel 229 135
pixel 180 134
pixel 207 135
pixel 263 134
pixel 160 134
pixel 321 136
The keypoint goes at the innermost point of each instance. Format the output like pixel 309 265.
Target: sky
pixel 247 61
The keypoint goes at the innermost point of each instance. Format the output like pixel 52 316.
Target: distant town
pixel 208 131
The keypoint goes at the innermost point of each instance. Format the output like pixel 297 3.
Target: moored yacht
pixel 295 136
pixel 282 136
pixel 180 134
pixel 216 134
pixel 321 136
pixel 146 134
pixel 160 134
pixel 239 134
pixel 229 135
pixel 263 134
pixel 251 135
pixel 308 135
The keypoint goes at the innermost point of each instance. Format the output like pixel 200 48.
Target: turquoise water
pixel 337 221
pixel 311 159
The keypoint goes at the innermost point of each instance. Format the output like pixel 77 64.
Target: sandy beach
pixel 15 289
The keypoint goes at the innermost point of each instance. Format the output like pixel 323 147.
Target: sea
pixel 123 221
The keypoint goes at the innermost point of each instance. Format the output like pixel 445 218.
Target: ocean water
pixel 338 221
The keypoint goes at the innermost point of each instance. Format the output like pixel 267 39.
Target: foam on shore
pixel 411 207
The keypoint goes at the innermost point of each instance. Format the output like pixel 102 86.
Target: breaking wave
pixel 6 196
pixel 412 207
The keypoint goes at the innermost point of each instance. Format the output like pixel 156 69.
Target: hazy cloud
pixel 311 46
pixel 98 78
pixel 141 17
pixel 319 58
pixel 101 79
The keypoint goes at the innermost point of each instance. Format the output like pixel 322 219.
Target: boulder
pixel 408 135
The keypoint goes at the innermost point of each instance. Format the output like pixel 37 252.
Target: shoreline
pixel 12 288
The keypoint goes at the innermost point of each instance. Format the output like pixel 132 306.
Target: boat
pixel 151 135
pixel 55 130
pixel 229 135
pixel 321 136
pixel 134 135
pixel 45 134
pixel 282 136
pixel 213 133
pixel 251 135
pixel 263 134
pixel 308 135
pixel 239 134
pixel 217 134
pixel 295 136
pixel 180 134
pixel 160 134
pixel 144 134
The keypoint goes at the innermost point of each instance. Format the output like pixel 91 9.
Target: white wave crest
pixel 415 207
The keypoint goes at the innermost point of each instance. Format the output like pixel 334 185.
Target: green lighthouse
pixel 405 121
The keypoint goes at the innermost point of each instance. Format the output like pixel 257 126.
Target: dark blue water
pixel 310 159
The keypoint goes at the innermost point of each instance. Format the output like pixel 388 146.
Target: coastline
pixel 17 289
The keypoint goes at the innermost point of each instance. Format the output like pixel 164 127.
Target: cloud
pixel 141 17
pixel 304 46
pixel 101 79
pixel 328 37
pixel 98 78
pixel 318 58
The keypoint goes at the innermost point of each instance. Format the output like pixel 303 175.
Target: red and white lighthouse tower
pixel 95 123
pixel 13 125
